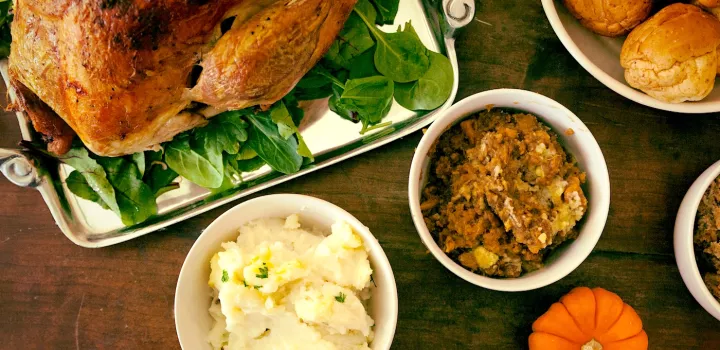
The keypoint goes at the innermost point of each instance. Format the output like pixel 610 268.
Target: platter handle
pixel 458 13
pixel 19 168
pixel 446 17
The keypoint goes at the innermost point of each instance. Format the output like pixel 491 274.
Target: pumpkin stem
pixel 592 345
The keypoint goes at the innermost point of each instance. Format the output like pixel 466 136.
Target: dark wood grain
pixel 55 295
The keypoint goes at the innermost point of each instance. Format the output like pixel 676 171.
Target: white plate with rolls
pixel 670 60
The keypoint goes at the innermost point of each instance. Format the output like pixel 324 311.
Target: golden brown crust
pixel 55 131
pixel 117 71
pixel 609 17
pixel 262 60
pixel 673 55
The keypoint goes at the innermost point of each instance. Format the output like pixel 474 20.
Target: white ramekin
pixel 683 241
pixel 580 144
pixel 192 295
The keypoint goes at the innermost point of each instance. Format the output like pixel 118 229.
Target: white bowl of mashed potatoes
pixel 286 272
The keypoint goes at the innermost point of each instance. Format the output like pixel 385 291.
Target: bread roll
pixel 711 5
pixel 609 17
pixel 673 56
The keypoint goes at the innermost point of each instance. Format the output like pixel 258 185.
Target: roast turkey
pixel 127 75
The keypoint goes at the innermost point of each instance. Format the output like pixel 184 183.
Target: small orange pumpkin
pixel 589 319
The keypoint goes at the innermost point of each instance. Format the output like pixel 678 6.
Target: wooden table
pixel 55 295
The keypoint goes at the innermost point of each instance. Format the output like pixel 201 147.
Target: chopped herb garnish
pixel 263 272
pixel 340 298
pixel 225 276
pixel 257 287
pixel 245 284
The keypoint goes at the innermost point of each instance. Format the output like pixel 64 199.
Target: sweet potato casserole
pixel 501 193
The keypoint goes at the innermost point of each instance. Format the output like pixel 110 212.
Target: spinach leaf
pixel 293 106
pixel 387 10
pixel 281 116
pixel 249 165
pixel 94 174
pixel 363 66
pixel 224 132
pixel 340 108
pixel 400 56
pixel 431 90
pixel 370 97
pixel 5 20
pixel 162 190
pixel 159 176
pixel 77 184
pixel 279 153
pixel 139 160
pixel 135 199
pixel 313 86
pixel 353 40
pixel 232 176
pixel 366 11
pixel 193 165
pixel 246 153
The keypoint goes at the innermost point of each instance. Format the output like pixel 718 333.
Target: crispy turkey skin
pixel 119 73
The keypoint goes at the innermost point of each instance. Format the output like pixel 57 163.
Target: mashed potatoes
pixel 280 286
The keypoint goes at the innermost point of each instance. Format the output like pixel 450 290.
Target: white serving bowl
pixel 600 56
pixel 192 295
pixel 683 241
pixel 581 144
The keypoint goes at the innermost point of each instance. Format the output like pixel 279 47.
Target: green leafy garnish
pixel 77 184
pixel 139 160
pixel 5 19
pixel 386 10
pixel 194 165
pixel 370 97
pixel 340 298
pixel 250 165
pixel 257 287
pixel 225 277
pixel 225 132
pixel 94 174
pixel 263 272
pixel 280 114
pixel 264 138
pixel 159 176
pixel 134 197
pixel 363 66
pixel 353 40
pixel 431 90
pixel 400 56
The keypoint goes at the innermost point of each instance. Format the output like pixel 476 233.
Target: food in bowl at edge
pixel 707 237
pixel 280 285
pixel 713 6
pixel 673 56
pixel 501 193
pixel 609 17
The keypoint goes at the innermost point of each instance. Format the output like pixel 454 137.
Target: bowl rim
pixel 620 88
pixel 372 243
pixel 440 125
pixel 683 245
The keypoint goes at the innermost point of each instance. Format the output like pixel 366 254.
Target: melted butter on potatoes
pixel 281 286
